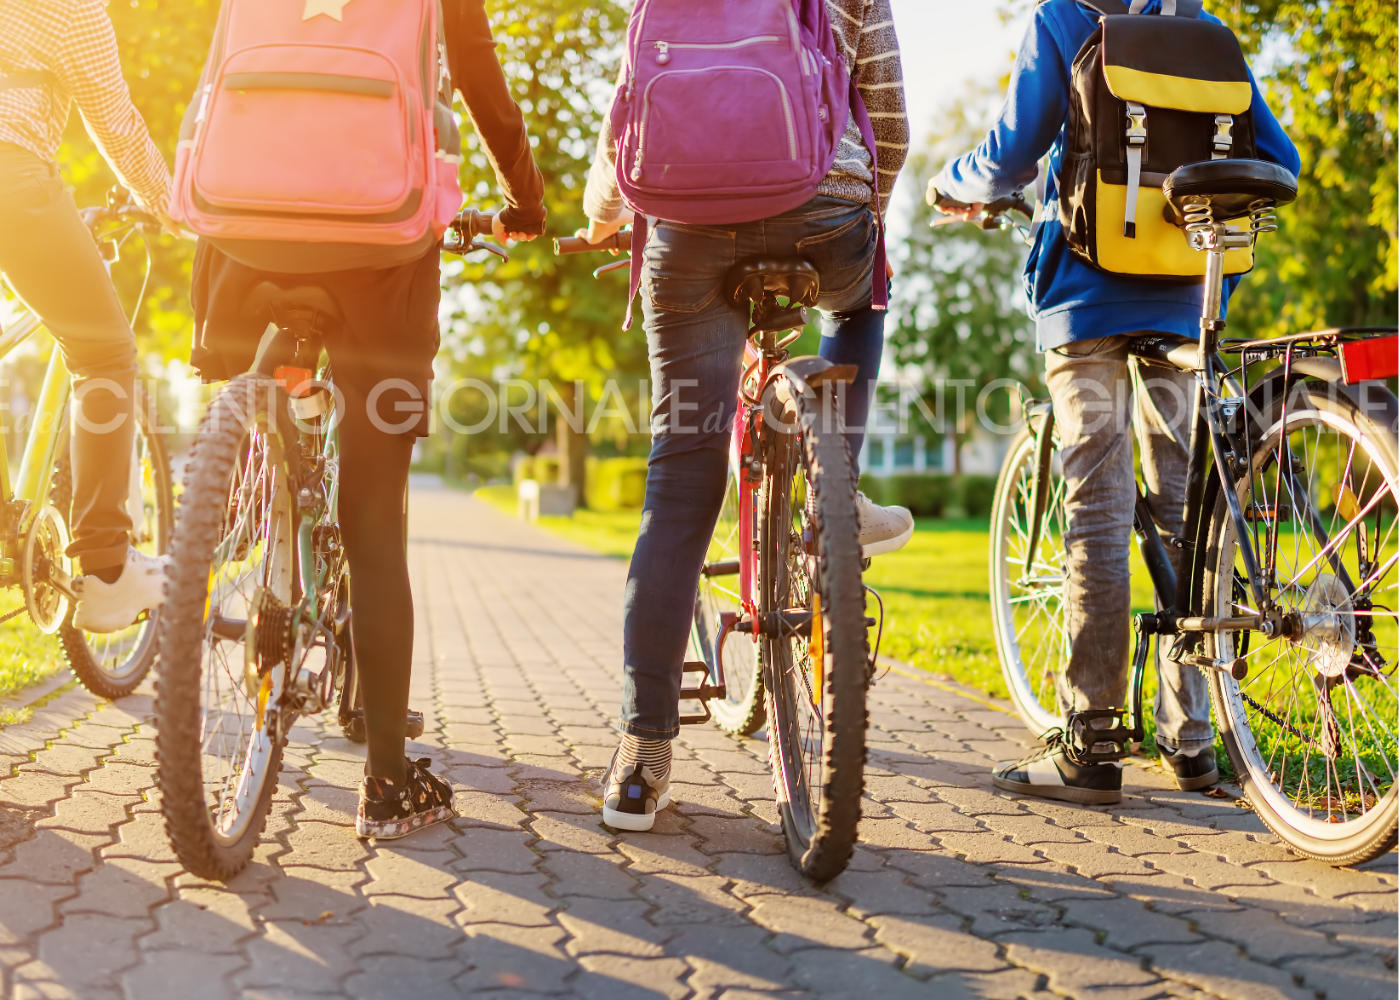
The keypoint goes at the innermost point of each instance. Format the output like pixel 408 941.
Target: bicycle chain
pixel 22 609
pixel 1277 721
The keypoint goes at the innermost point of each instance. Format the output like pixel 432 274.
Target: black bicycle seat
pixel 1229 186
pixel 269 297
pixel 757 278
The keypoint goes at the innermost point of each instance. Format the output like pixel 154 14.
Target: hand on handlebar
pixel 597 231
pixel 499 234
pixel 953 209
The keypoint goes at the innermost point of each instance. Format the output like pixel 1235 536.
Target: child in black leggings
pixel 387 341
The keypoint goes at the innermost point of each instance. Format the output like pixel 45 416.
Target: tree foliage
pixel 959 306
pixel 1330 74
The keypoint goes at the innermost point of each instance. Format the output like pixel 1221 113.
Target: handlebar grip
pixel 474 223
pixel 621 240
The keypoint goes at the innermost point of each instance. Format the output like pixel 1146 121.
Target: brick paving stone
pixel 1075 963
pixel 1127 923
pixel 805 922
pixel 606 977
pixel 1221 969
pixel 1356 977
pixel 615 926
pixel 494 897
pixel 181 975
pixel 956 890
pixel 932 944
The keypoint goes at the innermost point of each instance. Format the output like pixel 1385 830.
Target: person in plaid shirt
pixel 52 53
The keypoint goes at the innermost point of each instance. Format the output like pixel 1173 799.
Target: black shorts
pixel 389 333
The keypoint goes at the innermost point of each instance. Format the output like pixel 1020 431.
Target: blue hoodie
pixel 1069 300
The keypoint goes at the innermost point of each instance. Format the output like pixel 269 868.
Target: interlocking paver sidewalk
pixel 956 890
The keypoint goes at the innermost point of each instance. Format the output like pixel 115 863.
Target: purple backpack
pixel 730 111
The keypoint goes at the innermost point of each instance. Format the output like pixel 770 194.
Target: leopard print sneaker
pixel 390 810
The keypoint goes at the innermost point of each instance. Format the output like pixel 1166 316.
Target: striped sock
pixel 654 755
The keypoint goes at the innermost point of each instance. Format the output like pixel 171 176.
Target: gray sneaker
pixel 882 529
pixel 638 783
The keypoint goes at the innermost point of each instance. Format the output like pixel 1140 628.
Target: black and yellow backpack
pixel 1149 94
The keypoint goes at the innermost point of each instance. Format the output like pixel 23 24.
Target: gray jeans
pixel 1098 396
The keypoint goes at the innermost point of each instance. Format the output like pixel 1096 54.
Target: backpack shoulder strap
pixel 1172 8
pixel 1106 7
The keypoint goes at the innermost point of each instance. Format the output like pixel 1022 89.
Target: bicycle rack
pixel 703 693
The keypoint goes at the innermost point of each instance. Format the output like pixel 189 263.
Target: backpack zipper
pixel 802 55
pixel 663 49
pixel 636 172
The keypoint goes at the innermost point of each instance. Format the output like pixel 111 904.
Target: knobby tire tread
pixel 837 533
pixel 199 525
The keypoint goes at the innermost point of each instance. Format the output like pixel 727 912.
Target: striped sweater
pixel 865 32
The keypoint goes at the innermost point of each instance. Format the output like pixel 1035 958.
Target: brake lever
pixel 598 272
pixel 478 245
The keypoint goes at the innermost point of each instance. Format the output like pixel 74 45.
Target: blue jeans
pixel 695 340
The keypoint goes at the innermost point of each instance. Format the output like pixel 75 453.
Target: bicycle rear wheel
pixel 220 729
pixel 741 711
pixel 112 664
pixel 1312 729
pixel 1029 613
pixel 811 605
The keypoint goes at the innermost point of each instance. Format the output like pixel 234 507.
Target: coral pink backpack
pixel 321 136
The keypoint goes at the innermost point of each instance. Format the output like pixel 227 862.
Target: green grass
pixel 611 533
pixel 27 656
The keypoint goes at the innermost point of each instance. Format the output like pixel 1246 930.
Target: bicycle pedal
pixel 353 722
pixel 701 693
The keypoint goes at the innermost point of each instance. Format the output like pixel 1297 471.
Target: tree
pixel 542 316
pixel 959 297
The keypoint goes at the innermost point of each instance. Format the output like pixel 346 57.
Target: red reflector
pixel 1366 359
pixel 289 378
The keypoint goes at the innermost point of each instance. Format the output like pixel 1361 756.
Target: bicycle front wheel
pixel 1311 730
pixel 741 710
pixel 811 604
pixel 1028 574
pixel 112 664
pixel 220 725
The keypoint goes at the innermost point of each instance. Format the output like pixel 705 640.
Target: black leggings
pixel 373 483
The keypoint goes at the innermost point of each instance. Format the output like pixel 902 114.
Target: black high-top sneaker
pixel 638 783
pixel 1193 768
pixel 1054 772
pixel 389 810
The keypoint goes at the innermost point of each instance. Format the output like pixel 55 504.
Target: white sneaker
pixel 882 529
pixel 108 607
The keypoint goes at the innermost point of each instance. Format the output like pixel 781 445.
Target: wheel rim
pixel 120 654
pixel 238 717
pixel 1029 612
pixel 799 688
pixel 1316 718
pixel 717 602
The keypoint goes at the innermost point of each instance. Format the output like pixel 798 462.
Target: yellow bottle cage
pixel 1172 62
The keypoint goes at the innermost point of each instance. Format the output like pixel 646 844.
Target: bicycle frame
pixel 1210 449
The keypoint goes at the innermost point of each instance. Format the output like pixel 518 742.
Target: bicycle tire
pixel 742 711
pixel 1264 719
pixel 92 657
pixel 1032 664
pixel 236 468
pixel 819 791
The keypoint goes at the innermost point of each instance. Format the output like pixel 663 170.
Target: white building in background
pixel 893 446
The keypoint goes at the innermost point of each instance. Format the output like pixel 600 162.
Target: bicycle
pixel 1280 598
pixel 779 632
pixel 256 630
pixel 36 507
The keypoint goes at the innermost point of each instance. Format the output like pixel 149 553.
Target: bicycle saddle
pixel 1230 186
pixel 267 297
pixel 758 278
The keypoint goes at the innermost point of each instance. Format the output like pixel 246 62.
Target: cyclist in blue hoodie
pixel 1085 320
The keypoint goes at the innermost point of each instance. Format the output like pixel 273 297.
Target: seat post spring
pixel 1261 217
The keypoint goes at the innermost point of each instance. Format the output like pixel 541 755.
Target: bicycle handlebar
pixel 468 225
pixel 993 212
pixel 620 240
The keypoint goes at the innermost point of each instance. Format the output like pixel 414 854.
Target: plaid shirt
pixel 72 45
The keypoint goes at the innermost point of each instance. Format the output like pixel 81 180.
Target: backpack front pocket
pixel 683 110
pixel 285 132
